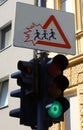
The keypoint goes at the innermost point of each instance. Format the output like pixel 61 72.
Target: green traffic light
pixel 55 110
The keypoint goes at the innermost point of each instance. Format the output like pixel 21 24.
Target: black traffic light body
pixel 42 85
pixel 27 113
pixel 55 103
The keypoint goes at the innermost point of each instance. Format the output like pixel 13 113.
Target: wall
pixel 8 64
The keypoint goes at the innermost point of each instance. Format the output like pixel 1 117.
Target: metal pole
pixel 43 3
pixel 39 91
pixel 40 116
pixel 41 125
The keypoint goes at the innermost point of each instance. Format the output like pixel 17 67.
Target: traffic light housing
pixel 41 92
pixel 27 113
pixel 55 103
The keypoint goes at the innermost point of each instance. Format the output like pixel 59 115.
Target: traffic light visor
pixel 25 67
pixel 61 60
pixel 57 65
pixel 58 85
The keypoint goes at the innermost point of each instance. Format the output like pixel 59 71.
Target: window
pixel 2 1
pixel 71 115
pixel 5 37
pixel 3 94
pixel 50 4
pixel 66 5
pixel 82 14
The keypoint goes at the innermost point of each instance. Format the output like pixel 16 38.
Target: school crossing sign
pixel 44 29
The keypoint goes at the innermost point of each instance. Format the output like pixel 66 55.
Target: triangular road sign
pixel 45 29
pixel 55 44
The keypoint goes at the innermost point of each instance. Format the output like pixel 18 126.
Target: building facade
pixel 73 118
pixel 10 55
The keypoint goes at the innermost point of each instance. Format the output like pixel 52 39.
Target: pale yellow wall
pixel 50 4
pixel 75 70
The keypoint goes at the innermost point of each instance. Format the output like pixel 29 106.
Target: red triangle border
pixel 54 44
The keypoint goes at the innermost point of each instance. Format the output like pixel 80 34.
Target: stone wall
pixel 75 76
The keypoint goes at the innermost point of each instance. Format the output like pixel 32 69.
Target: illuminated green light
pixel 55 110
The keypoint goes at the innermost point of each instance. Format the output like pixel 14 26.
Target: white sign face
pixel 44 29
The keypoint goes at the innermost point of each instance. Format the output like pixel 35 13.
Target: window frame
pixel 2 2
pixel 3 32
pixel 4 99
pixel 66 3
pixel 71 96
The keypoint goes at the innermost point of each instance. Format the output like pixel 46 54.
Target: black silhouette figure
pixel 45 34
pixel 37 36
pixel 52 34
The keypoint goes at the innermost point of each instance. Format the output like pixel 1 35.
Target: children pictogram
pixel 45 35
pixel 37 35
pixel 52 34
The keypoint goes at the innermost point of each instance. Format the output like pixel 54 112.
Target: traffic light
pixel 55 103
pixel 27 113
pixel 41 92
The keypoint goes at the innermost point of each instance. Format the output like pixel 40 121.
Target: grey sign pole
pixel 40 118
pixel 40 115
pixel 43 3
